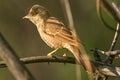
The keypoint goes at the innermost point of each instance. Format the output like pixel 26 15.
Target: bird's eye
pixel 35 11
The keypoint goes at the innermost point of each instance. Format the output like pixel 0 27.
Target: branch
pixel 110 57
pixel 112 10
pixel 19 71
pixel 108 70
pixel 115 38
pixel 41 59
pixel 115 53
pixel 99 13
pixel 68 13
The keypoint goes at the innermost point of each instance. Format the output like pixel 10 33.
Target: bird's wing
pixel 57 29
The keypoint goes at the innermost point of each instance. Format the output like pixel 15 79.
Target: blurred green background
pixel 23 37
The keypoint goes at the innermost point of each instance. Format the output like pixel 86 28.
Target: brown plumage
pixel 56 35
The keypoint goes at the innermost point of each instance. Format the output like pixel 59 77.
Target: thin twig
pixel 112 10
pixel 110 58
pixel 115 13
pixel 115 53
pixel 68 13
pixel 115 7
pixel 100 16
pixel 114 41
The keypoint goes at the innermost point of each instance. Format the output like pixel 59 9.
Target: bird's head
pixel 37 13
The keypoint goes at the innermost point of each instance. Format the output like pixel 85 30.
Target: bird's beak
pixel 26 17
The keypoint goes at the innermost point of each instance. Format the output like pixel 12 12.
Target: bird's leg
pixel 50 54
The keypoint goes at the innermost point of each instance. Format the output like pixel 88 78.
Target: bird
pixel 55 34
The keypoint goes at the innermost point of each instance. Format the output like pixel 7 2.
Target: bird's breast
pixel 50 40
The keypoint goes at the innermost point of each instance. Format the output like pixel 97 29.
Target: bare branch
pixel 9 57
pixel 42 59
pixel 115 53
pixel 108 70
pixel 110 58
pixel 69 17
pixel 99 13
pixel 115 39
pixel 115 13
pixel 112 9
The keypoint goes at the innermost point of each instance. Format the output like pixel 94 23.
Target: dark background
pixel 23 37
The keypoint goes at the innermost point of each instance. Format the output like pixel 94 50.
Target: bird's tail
pixel 81 58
